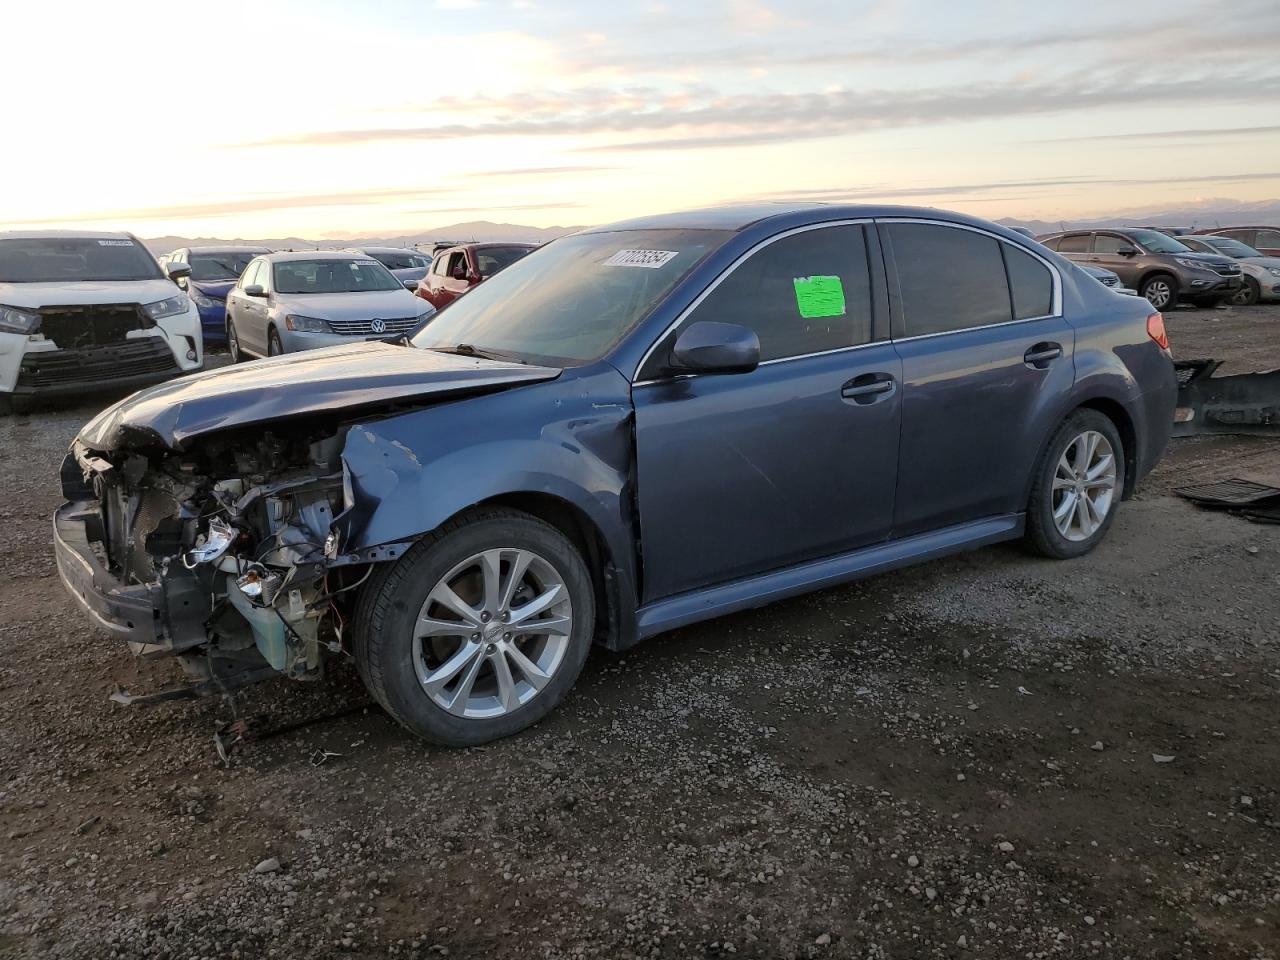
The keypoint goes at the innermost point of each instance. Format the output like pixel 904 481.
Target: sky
pixel 327 119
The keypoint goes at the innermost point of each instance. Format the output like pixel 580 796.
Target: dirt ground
pixel 989 755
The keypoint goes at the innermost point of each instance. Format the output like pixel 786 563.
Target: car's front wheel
pixel 479 630
pixel 1248 294
pixel 1078 485
pixel 274 347
pixel 1161 291
pixel 233 343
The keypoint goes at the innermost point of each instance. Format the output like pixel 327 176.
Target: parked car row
pixel 625 431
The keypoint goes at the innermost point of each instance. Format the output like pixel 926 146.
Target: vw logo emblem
pixel 378 326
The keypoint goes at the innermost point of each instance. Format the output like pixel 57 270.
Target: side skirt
pixel 762 589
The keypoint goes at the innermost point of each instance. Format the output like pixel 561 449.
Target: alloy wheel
pixel 1084 486
pixel 233 342
pixel 1159 293
pixel 1247 295
pixel 492 633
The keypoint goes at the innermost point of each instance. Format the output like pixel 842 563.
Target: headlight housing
pixel 302 324
pixel 17 320
pixel 169 307
pixel 1193 264
pixel 1275 271
pixel 204 302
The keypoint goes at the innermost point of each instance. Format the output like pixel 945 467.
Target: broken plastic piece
pixel 216 542
pixel 259 584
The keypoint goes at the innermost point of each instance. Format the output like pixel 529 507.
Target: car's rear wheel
pixel 274 346
pixel 233 343
pixel 1249 294
pixel 1161 291
pixel 1078 485
pixel 479 630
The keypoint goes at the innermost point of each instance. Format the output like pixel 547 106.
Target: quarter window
pixel 948 278
pixel 1030 284
pixel 1075 243
pixel 806 293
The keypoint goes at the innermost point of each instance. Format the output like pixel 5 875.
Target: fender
pixel 570 438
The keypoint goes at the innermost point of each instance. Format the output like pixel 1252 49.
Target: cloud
pixel 566 205
pixel 864 192
pixel 536 171
pixel 258 204
pixel 1171 134
pixel 761 117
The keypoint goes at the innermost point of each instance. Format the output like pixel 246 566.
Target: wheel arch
pixel 1114 411
pixel 615 620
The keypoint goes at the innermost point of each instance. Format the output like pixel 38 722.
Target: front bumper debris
pixel 1241 404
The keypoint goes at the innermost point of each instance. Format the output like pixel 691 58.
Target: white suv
pixel 81 311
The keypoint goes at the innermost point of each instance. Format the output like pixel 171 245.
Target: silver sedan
pixel 285 302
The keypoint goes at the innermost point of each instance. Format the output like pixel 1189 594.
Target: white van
pixel 81 311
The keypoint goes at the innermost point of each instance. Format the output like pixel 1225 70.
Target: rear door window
pixel 948 278
pixel 1074 243
pixel 803 294
pixel 1267 238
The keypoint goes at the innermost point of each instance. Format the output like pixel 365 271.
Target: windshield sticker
pixel 366 263
pixel 115 243
pixel 819 297
pixel 652 259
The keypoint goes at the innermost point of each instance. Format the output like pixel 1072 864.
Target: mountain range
pixel 1202 213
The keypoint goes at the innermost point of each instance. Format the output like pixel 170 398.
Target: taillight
pixel 1156 331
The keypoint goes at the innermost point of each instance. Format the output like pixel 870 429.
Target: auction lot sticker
pixel 652 259
pixel 819 297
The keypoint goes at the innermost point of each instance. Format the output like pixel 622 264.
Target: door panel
pixel 746 473
pixel 1105 254
pixel 976 408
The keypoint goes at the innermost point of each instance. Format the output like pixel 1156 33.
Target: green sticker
pixel 819 297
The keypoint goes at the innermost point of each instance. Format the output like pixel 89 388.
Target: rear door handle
pixel 868 388
pixel 1042 354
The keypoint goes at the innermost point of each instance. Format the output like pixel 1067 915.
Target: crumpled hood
pixel 218 289
pixel 33 296
pixel 337 379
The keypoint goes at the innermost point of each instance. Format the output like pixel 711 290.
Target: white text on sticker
pixel 115 243
pixel 640 258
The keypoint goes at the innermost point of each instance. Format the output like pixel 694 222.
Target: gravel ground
pixel 989 755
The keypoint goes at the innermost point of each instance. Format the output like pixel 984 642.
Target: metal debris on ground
pixel 1254 501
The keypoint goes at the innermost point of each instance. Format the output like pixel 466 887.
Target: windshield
pixel 489 260
pixel 1158 242
pixel 332 276
pixel 570 301
pixel 1232 248
pixel 220 266
pixel 63 259
pixel 400 261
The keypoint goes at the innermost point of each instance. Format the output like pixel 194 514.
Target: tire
pixel 1046 532
pixel 1160 290
pixel 391 660
pixel 274 347
pixel 233 344
pixel 1247 295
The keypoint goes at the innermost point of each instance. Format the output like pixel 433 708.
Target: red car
pixel 1266 240
pixel 456 270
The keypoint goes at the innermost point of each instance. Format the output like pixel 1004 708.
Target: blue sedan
pixel 214 271
pixel 631 429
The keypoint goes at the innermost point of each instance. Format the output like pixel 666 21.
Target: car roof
pixel 229 248
pixel 284 257
pixel 65 235
pixel 371 250
pixel 736 218
pixel 1243 226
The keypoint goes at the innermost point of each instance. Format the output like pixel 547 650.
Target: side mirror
pixel 710 347
pixel 254 290
pixel 411 284
pixel 473 277
pixel 1127 252
pixel 177 271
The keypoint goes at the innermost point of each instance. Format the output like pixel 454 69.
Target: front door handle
pixel 868 388
pixel 1042 354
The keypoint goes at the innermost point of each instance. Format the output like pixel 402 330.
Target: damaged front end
pixel 214 554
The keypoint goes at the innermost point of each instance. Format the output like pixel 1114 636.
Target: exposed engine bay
pixel 229 539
